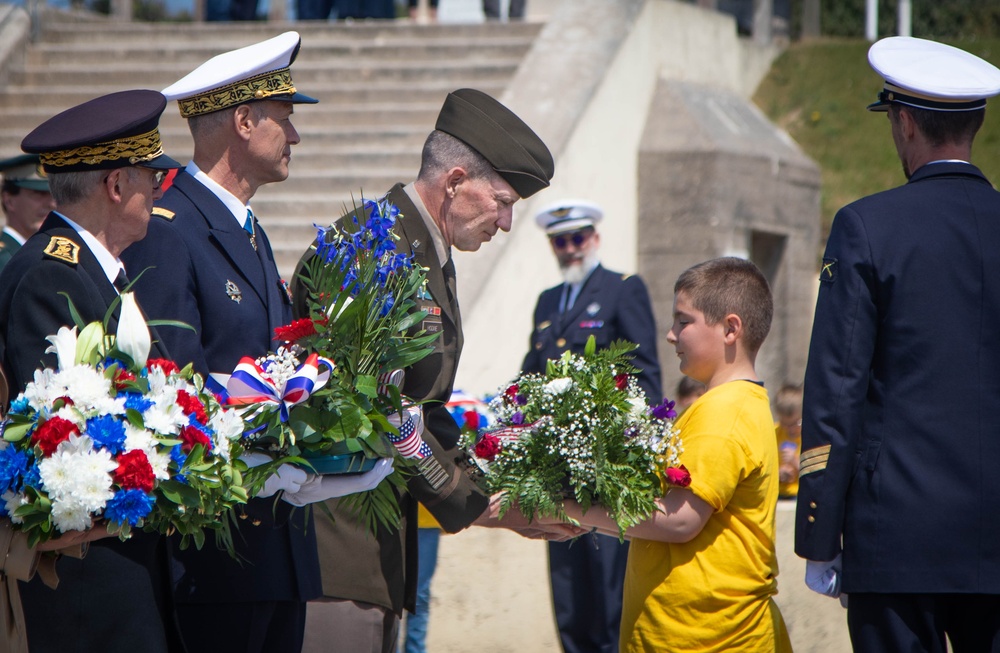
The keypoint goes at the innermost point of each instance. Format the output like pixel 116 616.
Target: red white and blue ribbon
pixel 408 442
pixel 249 384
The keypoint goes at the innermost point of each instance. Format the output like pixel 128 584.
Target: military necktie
pixel 248 226
pixel 449 279
pixel 121 281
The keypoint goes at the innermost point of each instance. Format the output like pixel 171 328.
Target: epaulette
pixel 626 276
pixel 63 249
pixel 166 214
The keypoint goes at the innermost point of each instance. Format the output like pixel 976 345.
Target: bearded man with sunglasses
pixel 587 575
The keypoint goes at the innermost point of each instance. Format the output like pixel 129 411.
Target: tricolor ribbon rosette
pixel 251 383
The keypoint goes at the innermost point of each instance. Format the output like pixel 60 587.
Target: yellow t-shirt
pixel 714 592
pixel 794 448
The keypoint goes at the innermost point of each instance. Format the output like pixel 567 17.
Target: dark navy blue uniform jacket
pixel 901 422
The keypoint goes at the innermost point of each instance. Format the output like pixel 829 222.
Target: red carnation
pixel 167 366
pixel 488 447
pixel 471 418
pixel 48 436
pixel 621 381
pixel 191 405
pixel 295 331
pixel 123 378
pixel 679 476
pixel 191 437
pixel 134 471
pixel 510 394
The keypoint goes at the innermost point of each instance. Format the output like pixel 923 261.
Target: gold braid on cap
pixel 261 87
pixel 136 149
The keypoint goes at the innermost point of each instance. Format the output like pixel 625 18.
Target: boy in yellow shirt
pixel 702 571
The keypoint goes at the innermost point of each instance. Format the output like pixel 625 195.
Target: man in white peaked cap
pixel 588 574
pixel 209 264
pixel 897 482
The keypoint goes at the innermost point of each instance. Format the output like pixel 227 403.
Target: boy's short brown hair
pixel 731 286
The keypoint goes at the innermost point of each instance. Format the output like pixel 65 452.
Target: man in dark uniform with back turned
pixel 900 443
pixel 105 164
pixel 588 574
pixel 478 162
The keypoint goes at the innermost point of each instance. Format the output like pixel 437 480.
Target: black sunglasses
pixel 578 238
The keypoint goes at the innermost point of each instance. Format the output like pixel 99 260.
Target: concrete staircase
pixel 380 85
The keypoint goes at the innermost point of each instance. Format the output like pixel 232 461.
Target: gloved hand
pixel 824 577
pixel 409 442
pixel 287 477
pixel 330 486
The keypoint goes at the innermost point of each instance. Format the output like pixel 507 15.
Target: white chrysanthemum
pixel 84 385
pixel 137 438
pixel 12 502
pixel 71 414
pixel 228 427
pixel 71 515
pixel 76 471
pixel 157 380
pixel 558 386
pixel 165 416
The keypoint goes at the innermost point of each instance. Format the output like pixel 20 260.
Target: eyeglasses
pixel 578 238
pixel 158 177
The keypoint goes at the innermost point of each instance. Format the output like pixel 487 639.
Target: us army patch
pixel 166 214
pixel 828 272
pixel 63 249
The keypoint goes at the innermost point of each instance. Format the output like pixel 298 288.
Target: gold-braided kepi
pixel 111 131
pixel 255 72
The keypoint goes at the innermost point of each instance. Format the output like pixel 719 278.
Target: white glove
pixel 409 441
pixel 331 486
pixel 824 577
pixel 287 477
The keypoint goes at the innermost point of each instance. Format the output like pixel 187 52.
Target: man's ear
pixel 907 126
pixel 453 180
pixel 112 184
pixel 243 121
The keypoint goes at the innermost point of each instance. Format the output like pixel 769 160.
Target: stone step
pixel 233 35
pixel 164 74
pixel 307 180
pixel 179 139
pixel 433 92
pixel 189 56
pixel 306 117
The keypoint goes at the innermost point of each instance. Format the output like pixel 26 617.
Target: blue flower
pixel 129 506
pixel 179 458
pixel 20 405
pixel 107 432
pixel 387 303
pixel 32 477
pixel 14 465
pixel 136 401
pixel 517 418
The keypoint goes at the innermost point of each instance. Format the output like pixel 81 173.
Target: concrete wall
pixel 716 178
pixel 586 87
pixel 15 30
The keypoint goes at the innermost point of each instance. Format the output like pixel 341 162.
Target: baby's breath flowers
pixel 581 430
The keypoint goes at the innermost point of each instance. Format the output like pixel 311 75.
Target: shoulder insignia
pixel 63 249
pixel 166 214
pixel 625 277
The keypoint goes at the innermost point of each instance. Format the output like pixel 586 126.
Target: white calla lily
pixel 63 346
pixel 133 336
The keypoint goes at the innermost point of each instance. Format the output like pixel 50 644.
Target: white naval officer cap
pixel 568 215
pixel 931 75
pixel 255 72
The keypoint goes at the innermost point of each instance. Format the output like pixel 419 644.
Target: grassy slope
pixel 818 90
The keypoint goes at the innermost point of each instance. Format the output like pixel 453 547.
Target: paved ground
pixel 491 595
